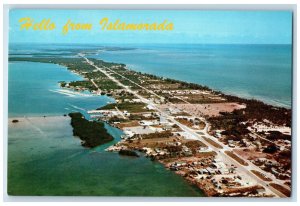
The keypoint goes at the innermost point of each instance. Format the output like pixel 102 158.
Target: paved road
pixel 245 169
pixel 94 84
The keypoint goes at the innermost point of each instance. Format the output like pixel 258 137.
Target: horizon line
pixel 154 43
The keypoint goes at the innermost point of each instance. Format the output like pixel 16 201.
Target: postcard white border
pixel 290 7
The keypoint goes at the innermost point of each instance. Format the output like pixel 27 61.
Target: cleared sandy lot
pixel 210 110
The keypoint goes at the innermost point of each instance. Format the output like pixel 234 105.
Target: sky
pixel 196 27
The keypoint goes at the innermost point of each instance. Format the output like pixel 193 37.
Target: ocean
pixel 45 159
pixel 262 72
pixel 33 90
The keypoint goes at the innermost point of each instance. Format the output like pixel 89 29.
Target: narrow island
pixel 91 133
pixel 223 144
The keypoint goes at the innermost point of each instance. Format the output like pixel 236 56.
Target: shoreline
pixel 241 95
pixel 22 126
pixel 224 93
pixel 230 98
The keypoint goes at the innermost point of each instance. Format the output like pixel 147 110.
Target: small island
pixel 225 145
pixel 92 133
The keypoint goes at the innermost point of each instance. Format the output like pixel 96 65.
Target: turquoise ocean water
pixel 263 72
pixel 50 161
pixel 45 158
pixel 33 91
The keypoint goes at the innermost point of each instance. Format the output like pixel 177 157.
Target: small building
pixel 150 107
pixel 136 100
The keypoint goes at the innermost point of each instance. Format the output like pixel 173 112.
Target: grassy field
pixel 260 175
pixel 235 157
pixel 213 143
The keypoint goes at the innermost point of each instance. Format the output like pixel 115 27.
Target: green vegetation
pixel 95 75
pixel 107 84
pixel 91 133
pixel 276 135
pixel 230 122
pixel 212 142
pixel 257 110
pixel 260 175
pixel 236 158
pixel 129 83
pixel 129 107
pixel 83 84
pixel 101 63
pixel 123 95
pixel 194 145
pixel 79 65
pixel 186 85
pixel 128 153
pixel 74 64
pixel 164 134
pixel 62 83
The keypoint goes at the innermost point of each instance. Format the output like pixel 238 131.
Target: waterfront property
pixel 197 128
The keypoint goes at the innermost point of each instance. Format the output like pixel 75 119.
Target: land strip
pixel 230 122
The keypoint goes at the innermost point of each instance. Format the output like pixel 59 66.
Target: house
pixel 148 123
pixel 211 171
pixel 128 133
pixel 203 149
pixel 127 114
pixel 163 120
pixel 150 107
pixel 136 100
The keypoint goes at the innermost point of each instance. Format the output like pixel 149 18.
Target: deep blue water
pixel 58 165
pixel 261 72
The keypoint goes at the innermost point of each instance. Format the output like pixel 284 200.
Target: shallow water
pixel 45 159
pixel 32 91
pixel 262 72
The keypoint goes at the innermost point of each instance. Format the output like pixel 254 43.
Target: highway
pixel 246 170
